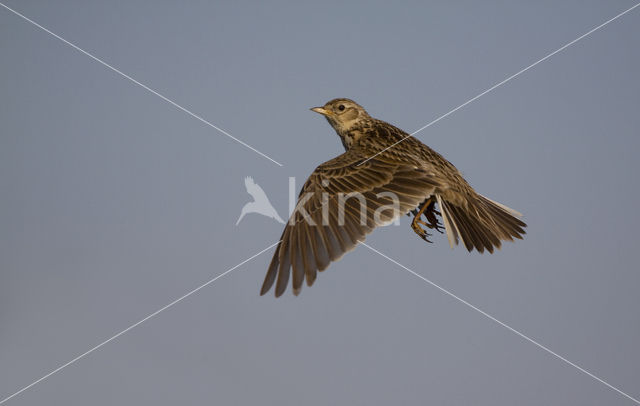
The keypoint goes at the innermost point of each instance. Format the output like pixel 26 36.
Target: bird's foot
pixel 422 233
pixel 433 222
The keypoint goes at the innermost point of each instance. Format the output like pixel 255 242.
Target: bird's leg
pixel 428 210
pixel 430 214
pixel 415 224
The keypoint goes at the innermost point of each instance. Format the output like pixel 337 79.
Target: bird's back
pixel 409 149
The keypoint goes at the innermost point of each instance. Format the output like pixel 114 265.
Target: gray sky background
pixel 114 203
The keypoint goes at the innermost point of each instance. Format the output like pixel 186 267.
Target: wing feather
pixel 306 249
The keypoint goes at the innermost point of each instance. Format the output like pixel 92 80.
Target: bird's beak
pixel 322 111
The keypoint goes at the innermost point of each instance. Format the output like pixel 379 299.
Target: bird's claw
pixel 422 233
pixel 434 224
pixel 430 213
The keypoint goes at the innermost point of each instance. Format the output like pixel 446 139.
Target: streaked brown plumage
pixel 418 175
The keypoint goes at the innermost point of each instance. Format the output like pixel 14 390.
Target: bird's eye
pixel 341 107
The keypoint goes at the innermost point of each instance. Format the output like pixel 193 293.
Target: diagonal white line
pixel 186 295
pixel 124 75
pixel 502 82
pixel 513 330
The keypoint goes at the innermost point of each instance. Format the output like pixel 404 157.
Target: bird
pixel 260 203
pixel 380 161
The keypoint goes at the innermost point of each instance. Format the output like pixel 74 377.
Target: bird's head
pixel 343 114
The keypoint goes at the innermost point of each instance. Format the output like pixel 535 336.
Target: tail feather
pixel 452 229
pixel 482 225
pixel 509 210
pixel 505 218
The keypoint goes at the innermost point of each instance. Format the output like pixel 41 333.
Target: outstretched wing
pixel 309 244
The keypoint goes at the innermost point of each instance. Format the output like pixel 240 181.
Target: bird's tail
pixel 484 224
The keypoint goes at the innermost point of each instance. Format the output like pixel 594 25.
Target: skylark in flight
pixel 410 175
